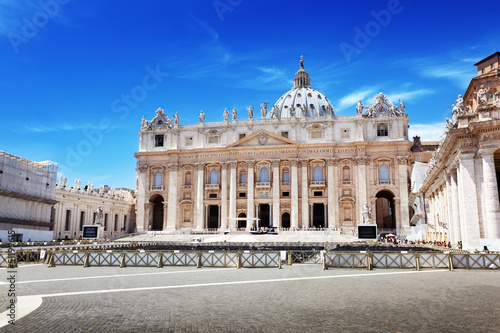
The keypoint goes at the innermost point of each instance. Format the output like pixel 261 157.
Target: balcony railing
pixel 346 182
pixel 262 184
pixel 285 184
pixel 317 183
pixel 242 185
pixel 156 188
pixel 212 186
pixel 187 186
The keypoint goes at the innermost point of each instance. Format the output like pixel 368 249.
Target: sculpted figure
pixel 64 181
pixel 88 186
pixel 92 186
pixel 292 111
pixel 201 117
pixel 98 216
pixel 359 107
pixel 225 114
pixel 482 96
pixel 61 180
pixel 460 105
pixel 250 112
pixel 402 107
pixel 263 110
pixel 143 122
pixel 235 114
pixel 329 110
pixel 78 184
pixel 449 125
pixel 367 213
pixel 176 119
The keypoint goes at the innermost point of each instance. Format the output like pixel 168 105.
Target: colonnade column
pixel 469 217
pixel 199 167
pixel 455 214
pixel 294 219
pixel 305 193
pixel 490 194
pixel 404 216
pixel 451 225
pixel 223 197
pixel 148 215
pixel 172 196
pixel 332 192
pixel 276 193
pixel 361 181
pixel 232 196
pixel 165 215
pixel 142 216
pixel 251 194
pixel 311 215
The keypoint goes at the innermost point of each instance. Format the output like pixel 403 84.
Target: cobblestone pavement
pixel 298 298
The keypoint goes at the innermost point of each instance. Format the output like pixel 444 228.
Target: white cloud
pixel 352 99
pixel 60 127
pixel 427 132
pixel 408 95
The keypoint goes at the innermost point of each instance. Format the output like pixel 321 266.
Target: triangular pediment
pixel 263 138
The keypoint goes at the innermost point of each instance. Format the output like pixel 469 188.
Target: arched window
pixel 243 178
pixel 187 178
pixel 384 173
pixel 382 129
pixel 158 179
pixel 214 177
pixel 264 175
pixel 346 174
pixel 318 174
pixel 286 175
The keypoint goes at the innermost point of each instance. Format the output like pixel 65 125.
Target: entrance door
pixel 242 223
pixel 264 215
pixel 158 213
pixel 285 220
pixel 386 213
pixel 318 215
pixel 213 217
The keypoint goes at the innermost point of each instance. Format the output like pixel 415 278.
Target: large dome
pixel 302 100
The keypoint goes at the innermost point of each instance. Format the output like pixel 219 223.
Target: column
pixel 223 198
pixel 294 209
pixel 404 216
pixel 148 216
pixel 270 214
pixel 305 193
pixel 361 185
pixel 199 167
pixel 311 215
pixel 232 195
pixel 165 215
pixel 492 218
pixel 449 204
pixel 275 164
pixel 172 196
pixel 325 211
pixel 250 194
pixel 469 218
pixel 142 186
pixel 257 221
pixel 332 192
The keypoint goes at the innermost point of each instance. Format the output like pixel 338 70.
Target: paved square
pixel 298 298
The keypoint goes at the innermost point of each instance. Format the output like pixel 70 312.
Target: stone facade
pixel 27 194
pixel 79 206
pixel 461 182
pixel 297 166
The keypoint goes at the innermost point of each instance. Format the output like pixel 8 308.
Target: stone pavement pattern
pixel 350 301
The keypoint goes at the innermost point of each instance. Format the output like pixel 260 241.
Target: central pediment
pixel 263 138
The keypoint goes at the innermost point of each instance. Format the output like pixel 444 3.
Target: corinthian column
pixel 276 193
pixel 332 192
pixel 232 196
pixel 251 195
pixel 295 194
pixel 490 194
pixel 199 196
pixel 469 218
pixel 305 193
pixel 404 216
pixel 172 196
pixel 223 199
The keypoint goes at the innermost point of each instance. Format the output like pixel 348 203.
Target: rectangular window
pixel 82 220
pixel 213 139
pixel 106 222
pixel 125 223
pixel 488 83
pixel 382 130
pixel 316 134
pixel 482 71
pixel 242 195
pixel 284 134
pixel 492 66
pixel 212 195
pixel 318 193
pixel 158 140
pixel 241 136
pixel 285 194
pixel 68 220
pixel 243 178
pixel 116 223
pixel 344 133
pixel 286 177
pixel 189 141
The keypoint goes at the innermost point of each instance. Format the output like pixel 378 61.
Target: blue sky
pixel 77 76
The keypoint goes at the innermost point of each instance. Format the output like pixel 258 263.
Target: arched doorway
pixel 213 217
pixel 318 212
pixel 242 223
pixel 264 215
pixel 385 210
pixel 157 213
pixel 285 220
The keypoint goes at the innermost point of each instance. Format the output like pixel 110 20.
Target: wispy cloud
pixel 353 98
pixel 408 95
pixel 206 27
pixel 59 127
pixel 428 132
